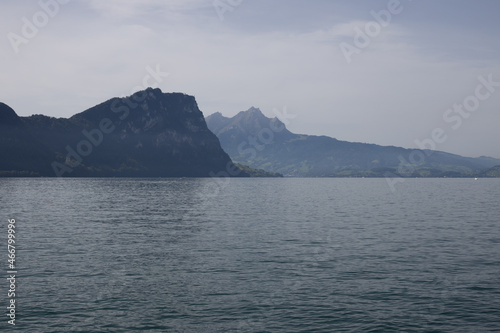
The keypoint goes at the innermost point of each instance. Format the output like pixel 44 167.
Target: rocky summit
pixel 252 139
pixel 148 134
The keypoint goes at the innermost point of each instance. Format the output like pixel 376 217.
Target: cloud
pixel 122 9
pixel 395 90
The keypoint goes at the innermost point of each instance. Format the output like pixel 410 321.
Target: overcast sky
pixel 303 56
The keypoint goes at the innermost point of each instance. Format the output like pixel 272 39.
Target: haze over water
pixel 255 255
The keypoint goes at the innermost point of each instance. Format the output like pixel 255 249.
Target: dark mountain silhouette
pixel 149 134
pixel 253 139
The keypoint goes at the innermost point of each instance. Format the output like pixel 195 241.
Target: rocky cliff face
pixel 148 134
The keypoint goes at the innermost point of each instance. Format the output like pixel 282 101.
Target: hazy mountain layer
pixel 253 139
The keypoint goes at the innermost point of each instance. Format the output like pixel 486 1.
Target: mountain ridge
pixel 322 156
pixel 147 134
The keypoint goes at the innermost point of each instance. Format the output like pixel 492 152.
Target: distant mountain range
pixel 156 134
pixel 255 140
pixel 148 134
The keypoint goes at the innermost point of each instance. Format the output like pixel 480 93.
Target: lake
pixel 253 255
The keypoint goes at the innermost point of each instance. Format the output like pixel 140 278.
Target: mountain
pixel 21 154
pixel 253 139
pixel 493 172
pixel 148 134
pixel 258 172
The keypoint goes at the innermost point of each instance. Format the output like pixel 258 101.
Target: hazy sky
pixel 327 62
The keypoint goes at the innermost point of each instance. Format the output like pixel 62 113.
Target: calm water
pixel 254 255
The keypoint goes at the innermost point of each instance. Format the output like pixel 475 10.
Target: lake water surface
pixel 253 255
